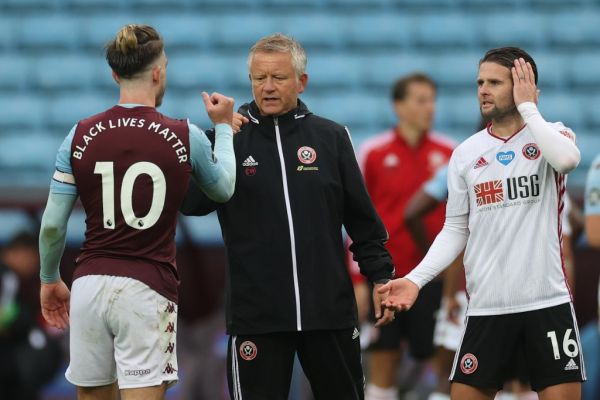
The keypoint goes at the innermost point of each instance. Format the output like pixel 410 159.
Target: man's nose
pixel 269 86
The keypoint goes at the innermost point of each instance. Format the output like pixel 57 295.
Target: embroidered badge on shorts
pixel 248 350
pixel 468 364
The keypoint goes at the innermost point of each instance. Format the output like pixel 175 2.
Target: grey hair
pixel 280 43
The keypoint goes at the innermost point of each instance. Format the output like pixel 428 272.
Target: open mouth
pixel 270 99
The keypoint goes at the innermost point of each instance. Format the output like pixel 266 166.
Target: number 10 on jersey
pixel 159 191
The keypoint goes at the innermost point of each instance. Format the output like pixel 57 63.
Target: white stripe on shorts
pixel 581 362
pixel 456 355
pixel 235 372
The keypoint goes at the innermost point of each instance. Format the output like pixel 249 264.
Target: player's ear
pixel 156 73
pixel 115 77
pixel 302 82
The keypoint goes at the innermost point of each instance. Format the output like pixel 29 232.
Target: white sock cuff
pixel 373 392
pixel 438 396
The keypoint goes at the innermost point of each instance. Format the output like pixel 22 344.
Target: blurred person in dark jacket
pixel 30 357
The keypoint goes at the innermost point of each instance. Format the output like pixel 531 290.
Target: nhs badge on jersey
pixel 505 157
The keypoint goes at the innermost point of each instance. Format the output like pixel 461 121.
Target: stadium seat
pixel 40 154
pixel 589 145
pixel 457 69
pixel 458 112
pixel 552 69
pixel 15 71
pixel 380 29
pixel 21 111
pixel 13 222
pixel 519 28
pixel 156 5
pixel 198 72
pixel 64 72
pixel 232 5
pixel 591 114
pixel 559 5
pixel 327 71
pixel 436 5
pixel 354 4
pixel 288 5
pixel 239 30
pixel 354 110
pixel 562 107
pixel 489 5
pixel 19 6
pixel 7 31
pixel 100 28
pixel 444 30
pixel 95 5
pixel 64 112
pixel 313 30
pixel 573 29
pixel 583 71
pixel 101 75
pixel 44 32
pixel 383 70
pixel 182 32
pixel 237 75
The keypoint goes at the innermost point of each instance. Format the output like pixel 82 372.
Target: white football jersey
pixel 514 200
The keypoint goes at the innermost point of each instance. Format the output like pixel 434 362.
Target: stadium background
pixel 52 73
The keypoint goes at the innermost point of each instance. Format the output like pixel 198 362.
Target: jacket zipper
pixel 290 223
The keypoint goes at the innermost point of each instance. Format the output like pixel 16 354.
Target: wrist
pixel 49 279
pixel 527 106
pixel 382 281
pixel 223 127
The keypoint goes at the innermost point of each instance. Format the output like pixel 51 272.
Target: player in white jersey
pixel 506 185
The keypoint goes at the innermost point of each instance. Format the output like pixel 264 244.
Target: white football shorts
pixel 448 334
pixel 121 330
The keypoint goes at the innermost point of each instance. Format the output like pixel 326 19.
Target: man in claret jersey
pixel 506 187
pixel 130 165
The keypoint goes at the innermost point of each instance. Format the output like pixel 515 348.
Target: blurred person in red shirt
pixel 395 165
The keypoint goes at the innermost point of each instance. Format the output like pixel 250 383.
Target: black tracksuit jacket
pixel 297 183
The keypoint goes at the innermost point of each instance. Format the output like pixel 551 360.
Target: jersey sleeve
pixel 437 186
pixel 63 180
pixel 458 191
pixel 215 176
pixel 592 189
pixel 556 142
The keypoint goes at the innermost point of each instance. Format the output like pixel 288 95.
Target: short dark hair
pixel 133 49
pixel 506 57
pixel 22 240
pixel 400 88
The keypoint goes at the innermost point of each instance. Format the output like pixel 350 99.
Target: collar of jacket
pixel 251 111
